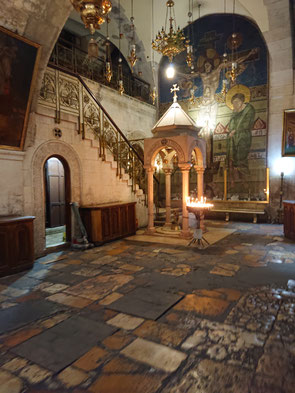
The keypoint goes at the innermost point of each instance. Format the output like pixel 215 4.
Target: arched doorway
pixel 57 192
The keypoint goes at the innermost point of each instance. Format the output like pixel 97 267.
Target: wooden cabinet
pixel 16 244
pixel 108 222
pixel 289 219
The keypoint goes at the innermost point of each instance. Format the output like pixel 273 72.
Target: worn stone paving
pixel 136 317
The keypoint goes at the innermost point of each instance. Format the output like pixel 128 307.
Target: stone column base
pixel 186 234
pixel 150 231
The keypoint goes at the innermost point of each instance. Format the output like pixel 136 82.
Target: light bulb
pixel 170 71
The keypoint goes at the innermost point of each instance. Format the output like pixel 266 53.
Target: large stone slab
pixel 146 303
pixel 156 355
pixel 24 313
pixel 60 346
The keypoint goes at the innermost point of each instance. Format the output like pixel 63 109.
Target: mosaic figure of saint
pixel 210 67
pixel 239 132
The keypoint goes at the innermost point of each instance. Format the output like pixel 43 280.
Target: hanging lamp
pixel 108 61
pixel 189 47
pixel 173 42
pixel 132 57
pixel 93 12
pixel 120 67
pixel 154 93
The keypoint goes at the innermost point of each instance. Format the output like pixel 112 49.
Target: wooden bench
pixel 240 207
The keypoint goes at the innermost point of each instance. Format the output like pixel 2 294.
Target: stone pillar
pixel 168 172
pixel 150 172
pixel 185 168
pixel 200 175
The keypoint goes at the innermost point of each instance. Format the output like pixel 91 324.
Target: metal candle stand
pixel 198 234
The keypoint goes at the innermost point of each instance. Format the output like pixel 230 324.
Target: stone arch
pixel 200 151
pixel 67 154
pixel 159 145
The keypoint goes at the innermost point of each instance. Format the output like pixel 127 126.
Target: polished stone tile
pixel 122 383
pixel 225 269
pixel 226 343
pixel 55 288
pixel 92 359
pixel 68 300
pixel 118 340
pixel 25 313
pixel 124 321
pixel 34 374
pixel 21 336
pixel 212 377
pixel 122 365
pixel 15 364
pixel 203 305
pixel 160 332
pixel 99 287
pixel 156 355
pixel 110 299
pixel 10 383
pixel 71 377
pixel 61 345
pixel 146 303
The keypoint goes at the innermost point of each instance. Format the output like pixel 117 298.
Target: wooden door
pixel 55 190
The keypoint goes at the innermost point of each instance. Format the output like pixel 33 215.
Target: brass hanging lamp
pixel 174 42
pixel 120 67
pixel 154 93
pixel 93 12
pixel 108 61
pixel 132 57
pixel 189 47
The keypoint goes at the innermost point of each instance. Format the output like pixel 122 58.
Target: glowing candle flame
pixel 194 202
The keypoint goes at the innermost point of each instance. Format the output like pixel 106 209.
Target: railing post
pixel 103 136
pixel 57 111
pixel 120 157
pixel 81 128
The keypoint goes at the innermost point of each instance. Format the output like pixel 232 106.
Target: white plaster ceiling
pixel 253 9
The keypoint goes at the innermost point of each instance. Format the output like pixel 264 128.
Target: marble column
pixel 200 178
pixel 168 172
pixel 150 173
pixel 185 232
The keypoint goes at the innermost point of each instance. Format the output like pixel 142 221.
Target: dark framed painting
pixel 19 58
pixel 288 148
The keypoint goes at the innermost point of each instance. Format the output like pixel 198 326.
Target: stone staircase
pixel 67 92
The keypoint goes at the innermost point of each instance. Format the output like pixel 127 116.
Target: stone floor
pixel 136 317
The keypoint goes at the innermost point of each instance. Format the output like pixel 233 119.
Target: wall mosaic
pixel 233 114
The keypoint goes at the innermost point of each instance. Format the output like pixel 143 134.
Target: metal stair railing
pixel 66 91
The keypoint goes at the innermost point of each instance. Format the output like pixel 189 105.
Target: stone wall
pixel 93 181
pixel 281 95
pixel 132 116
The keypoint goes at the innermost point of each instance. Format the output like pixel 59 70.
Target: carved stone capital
pixel 167 171
pixel 149 168
pixel 185 167
pixel 199 169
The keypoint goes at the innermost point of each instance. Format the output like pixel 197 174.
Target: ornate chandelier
pixel 172 43
pixel 93 12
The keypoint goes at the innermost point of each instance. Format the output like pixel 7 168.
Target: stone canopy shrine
pixel 175 135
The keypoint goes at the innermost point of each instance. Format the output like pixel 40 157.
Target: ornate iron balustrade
pixel 73 59
pixel 68 93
